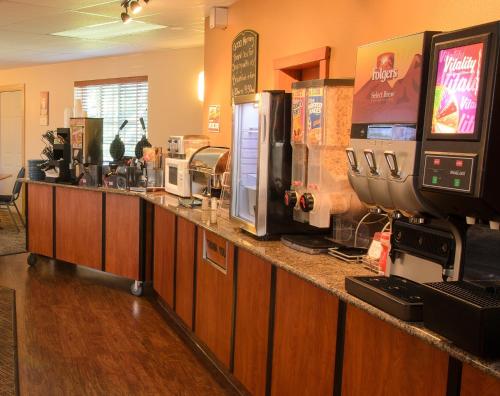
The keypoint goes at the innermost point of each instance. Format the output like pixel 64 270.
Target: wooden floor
pixel 80 332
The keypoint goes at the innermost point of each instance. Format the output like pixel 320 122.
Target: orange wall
pixel 287 27
pixel 174 107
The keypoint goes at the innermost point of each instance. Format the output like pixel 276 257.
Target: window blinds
pixel 115 101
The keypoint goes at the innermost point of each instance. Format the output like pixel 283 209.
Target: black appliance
pixel 460 150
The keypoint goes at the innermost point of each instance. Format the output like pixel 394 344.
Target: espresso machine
pixel 320 194
pixel 384 170
pixel 459 175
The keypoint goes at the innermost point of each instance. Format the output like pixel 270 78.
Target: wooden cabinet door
pixel 214 294
pixel 380 359
pixel 305 336
pixel 79 226
pixel 475 383
pixel 123 223
pixel 251 334
pixel 40 220
pixel 164 255
pixel 185 270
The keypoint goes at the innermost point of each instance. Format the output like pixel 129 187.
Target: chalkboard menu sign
pixel 244 63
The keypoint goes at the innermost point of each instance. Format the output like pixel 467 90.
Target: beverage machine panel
pixel 387 120
pixel 460 151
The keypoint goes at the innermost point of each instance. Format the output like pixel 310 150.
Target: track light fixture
pixel 125 16
pixel 135 8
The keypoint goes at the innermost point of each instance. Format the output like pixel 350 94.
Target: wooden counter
pixel 89 227
pixel 276 321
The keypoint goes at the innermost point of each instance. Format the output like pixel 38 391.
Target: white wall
pixel 173 103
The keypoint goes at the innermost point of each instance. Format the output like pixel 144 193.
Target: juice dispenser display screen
pixel 456 91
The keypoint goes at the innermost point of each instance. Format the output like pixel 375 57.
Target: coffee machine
pixel 384 168
pixel 58 167
pixel 458 174
pixel 86 140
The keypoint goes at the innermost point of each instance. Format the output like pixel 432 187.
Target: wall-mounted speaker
pixel 218 18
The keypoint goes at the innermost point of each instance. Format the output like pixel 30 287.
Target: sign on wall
pixel 214 118
pixel 44 108
pixel 244 64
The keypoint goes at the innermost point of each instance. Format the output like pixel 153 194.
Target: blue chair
pixel 7 201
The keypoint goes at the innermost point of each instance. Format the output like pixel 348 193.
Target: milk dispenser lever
pixel 459 175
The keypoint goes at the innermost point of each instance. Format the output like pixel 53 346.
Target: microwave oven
pixel 177 178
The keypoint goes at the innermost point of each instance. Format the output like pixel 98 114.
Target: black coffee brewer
pixel 58 167
pixel 459 176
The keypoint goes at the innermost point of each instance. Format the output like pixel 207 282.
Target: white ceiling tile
pixel 57 23
pixel 26 27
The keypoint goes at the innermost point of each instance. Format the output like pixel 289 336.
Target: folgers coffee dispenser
pixel 320 190
pixel 459 175
pixel 384 167
pixel 387 120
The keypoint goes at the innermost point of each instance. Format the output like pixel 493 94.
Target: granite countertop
pixel 323 271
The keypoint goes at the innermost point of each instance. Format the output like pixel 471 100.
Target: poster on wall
pixel 244 63
pixel 214 118
pixel 44 108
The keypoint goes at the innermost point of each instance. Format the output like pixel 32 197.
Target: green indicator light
pixel 456 182
pixel 434 180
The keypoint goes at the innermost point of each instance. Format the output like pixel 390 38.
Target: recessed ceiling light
pixel 110 29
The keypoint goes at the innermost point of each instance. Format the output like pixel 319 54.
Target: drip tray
pixel 311 244
pixel 466 314
pixel 397 296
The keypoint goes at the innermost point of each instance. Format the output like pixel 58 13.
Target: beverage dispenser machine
pixel 384 168
pixel 459 175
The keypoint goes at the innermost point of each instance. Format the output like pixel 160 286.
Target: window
pixel 116 100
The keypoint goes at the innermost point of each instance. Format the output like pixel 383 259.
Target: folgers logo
pixel 385 69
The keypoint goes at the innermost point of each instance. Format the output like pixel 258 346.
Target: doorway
pixel 11 136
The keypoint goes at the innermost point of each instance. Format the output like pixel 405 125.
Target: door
pixel 11 138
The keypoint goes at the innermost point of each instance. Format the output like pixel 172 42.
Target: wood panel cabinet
pixel 79 227
pixel 40 219
pixel 305 335
pixel 476 382
pixel 123 228
pixel 251 335
pixel 380 359
pixel 214 294
pixel 164 255
pixel 185 270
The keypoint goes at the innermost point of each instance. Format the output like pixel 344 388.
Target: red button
pixel 437 161
pixel 459 163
